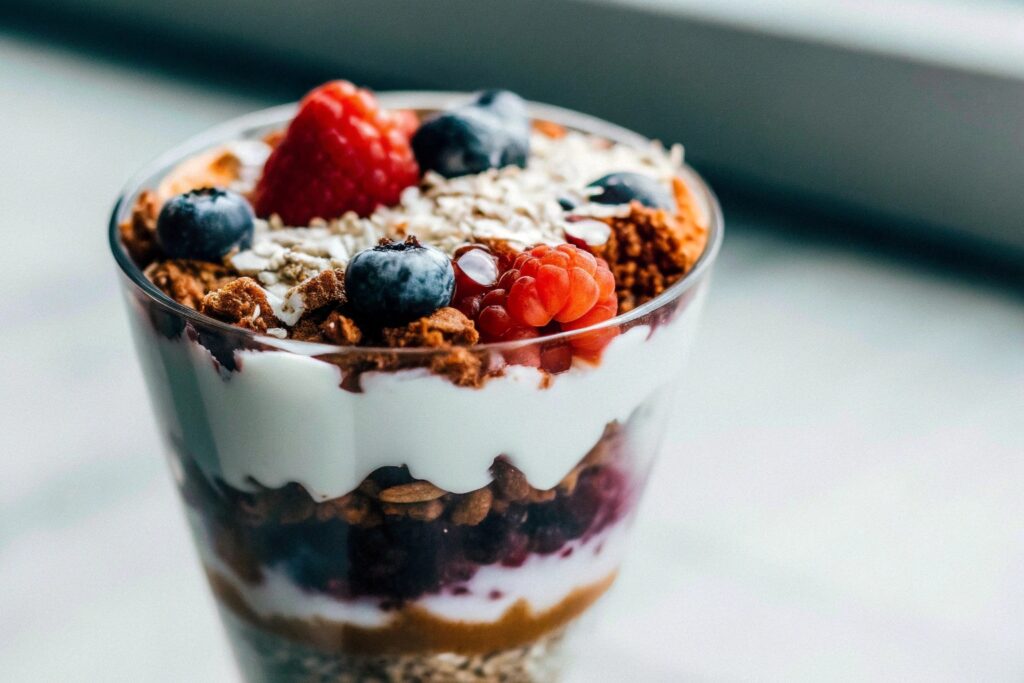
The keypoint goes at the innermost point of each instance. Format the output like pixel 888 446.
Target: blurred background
pixel 841 496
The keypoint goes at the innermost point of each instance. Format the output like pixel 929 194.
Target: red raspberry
pixel 340 153
pixel 565 284
pixel 541 291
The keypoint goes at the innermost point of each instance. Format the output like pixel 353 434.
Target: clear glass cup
pixel 392 526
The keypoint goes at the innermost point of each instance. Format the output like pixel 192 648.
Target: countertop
pixel 839 497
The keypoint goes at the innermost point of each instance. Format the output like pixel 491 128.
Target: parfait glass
pixel 360 525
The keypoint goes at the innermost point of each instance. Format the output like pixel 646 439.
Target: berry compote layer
pixel 427 368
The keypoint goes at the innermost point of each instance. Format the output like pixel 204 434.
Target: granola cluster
pixel 650 249
pixel 187 281
pixel 138 232
pixel 241 303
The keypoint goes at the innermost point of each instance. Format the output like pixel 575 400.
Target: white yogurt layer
pixel 283 417
pixel 542 582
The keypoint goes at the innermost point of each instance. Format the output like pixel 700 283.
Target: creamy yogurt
pixel 284 418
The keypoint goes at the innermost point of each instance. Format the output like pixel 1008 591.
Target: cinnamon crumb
pixel 447 331
pixel 308 329
pixel 241 303
pixel 321 290
pixel 650 249
pixel 337 329
pixel 186 281
pixel 461 366
pixel 327 327
pixel 138 232
pixel 443 328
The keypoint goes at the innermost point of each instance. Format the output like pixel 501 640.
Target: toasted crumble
pixel 327 288
pixel 650 249
pixel 443 328
pixel 337 329
pixel 242 303
pixel 306 303
pixel 447 331
pixel 460 366
pixel 138 231
pixel 329 328
pixel 186 281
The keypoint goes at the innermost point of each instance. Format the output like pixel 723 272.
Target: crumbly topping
pixel 319 291
pixel 329 328
pixel 447 330
pixel 516 205
pixel 337 329
pixel 443 328
pixel 242 303
pixel 187 282
pixel 460 366
pixel 649 249
pixel 138 232
pixel 327 288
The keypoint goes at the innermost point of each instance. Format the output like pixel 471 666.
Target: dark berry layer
pixel 367 544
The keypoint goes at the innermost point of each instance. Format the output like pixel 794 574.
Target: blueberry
pixel 622 188
pixel 567 203
pixel 204 224
pixel 493 131
pixel 396 282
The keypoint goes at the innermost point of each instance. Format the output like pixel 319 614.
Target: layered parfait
pixel 412 367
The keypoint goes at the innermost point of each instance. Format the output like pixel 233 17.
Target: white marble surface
pixel 840 497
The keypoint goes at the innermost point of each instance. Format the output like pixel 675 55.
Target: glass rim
pixel 423 102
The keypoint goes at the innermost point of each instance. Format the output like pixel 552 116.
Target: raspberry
pixel 476 270
pixel 564 284
pixel 340 153
pixel 542 291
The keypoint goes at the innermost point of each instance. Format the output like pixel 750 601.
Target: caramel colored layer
pixel 414 629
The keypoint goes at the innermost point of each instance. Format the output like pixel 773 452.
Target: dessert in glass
pixel 412 357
